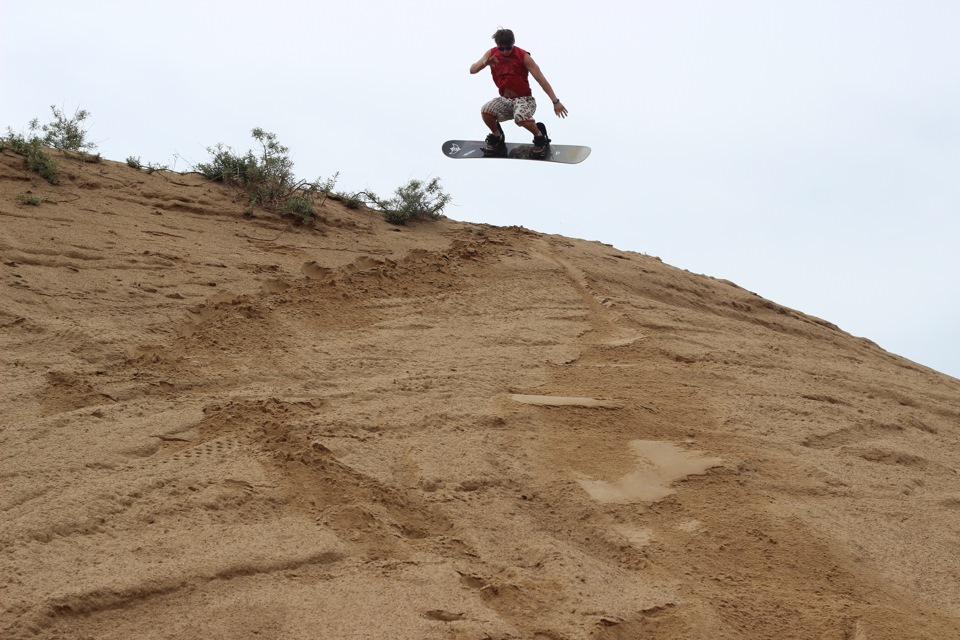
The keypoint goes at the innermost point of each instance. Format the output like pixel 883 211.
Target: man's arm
pixel 484 60
pixel 534 70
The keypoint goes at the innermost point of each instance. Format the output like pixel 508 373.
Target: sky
pixel 808 151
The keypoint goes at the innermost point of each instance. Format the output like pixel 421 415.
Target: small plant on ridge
pixel 67 134
pixel 266 176
pixel 63 133
pixel 415 200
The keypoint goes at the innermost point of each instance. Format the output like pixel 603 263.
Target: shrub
pixel 299 207
pixel 31 200
pixel 228 167
pixel 414 200
pixel 266 176
pixel 31 148
pixel 63 133
pixel 349 201
pixel 134 162
pixel 67 134
pixel 154 166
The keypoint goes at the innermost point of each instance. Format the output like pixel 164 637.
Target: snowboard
pixel 567 154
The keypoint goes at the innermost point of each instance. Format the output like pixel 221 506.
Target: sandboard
pixel 564 153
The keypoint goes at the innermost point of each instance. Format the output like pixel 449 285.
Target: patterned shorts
pixel 518 109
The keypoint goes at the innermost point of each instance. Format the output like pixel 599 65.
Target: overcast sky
pixel 807 150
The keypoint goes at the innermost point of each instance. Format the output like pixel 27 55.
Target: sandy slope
pixel 217 427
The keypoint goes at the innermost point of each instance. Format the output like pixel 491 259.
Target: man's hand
pixel 485 61
pixel 534 70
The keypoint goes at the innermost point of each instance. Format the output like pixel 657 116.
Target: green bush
pixel 63 133
pixel 67 134
pixel 299 207
pixel 31 148
pixel 33 201
pixel 267 177
pixel 414 200
pixel 228 167
pixel 350 201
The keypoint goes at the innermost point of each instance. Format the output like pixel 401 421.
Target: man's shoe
pixel 541 146
pixel 496 146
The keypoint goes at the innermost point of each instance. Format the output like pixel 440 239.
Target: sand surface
pixel 222 427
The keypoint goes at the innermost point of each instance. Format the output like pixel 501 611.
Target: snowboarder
pixel 511 67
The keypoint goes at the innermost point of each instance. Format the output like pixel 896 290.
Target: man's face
pixel 505 50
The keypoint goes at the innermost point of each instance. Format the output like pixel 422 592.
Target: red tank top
pixel 511 73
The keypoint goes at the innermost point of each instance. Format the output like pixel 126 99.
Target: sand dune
pixel 220 427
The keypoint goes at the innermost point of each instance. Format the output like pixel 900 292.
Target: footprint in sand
pixel 660 464
pixel 314 271
pixel 274 285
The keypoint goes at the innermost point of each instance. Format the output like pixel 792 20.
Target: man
pixel 511 67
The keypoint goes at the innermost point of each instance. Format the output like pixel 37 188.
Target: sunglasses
pixel 505 48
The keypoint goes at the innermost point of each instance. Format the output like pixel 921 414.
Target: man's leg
pixel 540 141
pixel 492 123
pixel 524 110
pixel 493 113
pixel 530 126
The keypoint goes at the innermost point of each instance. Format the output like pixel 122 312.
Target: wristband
pixel 557 101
